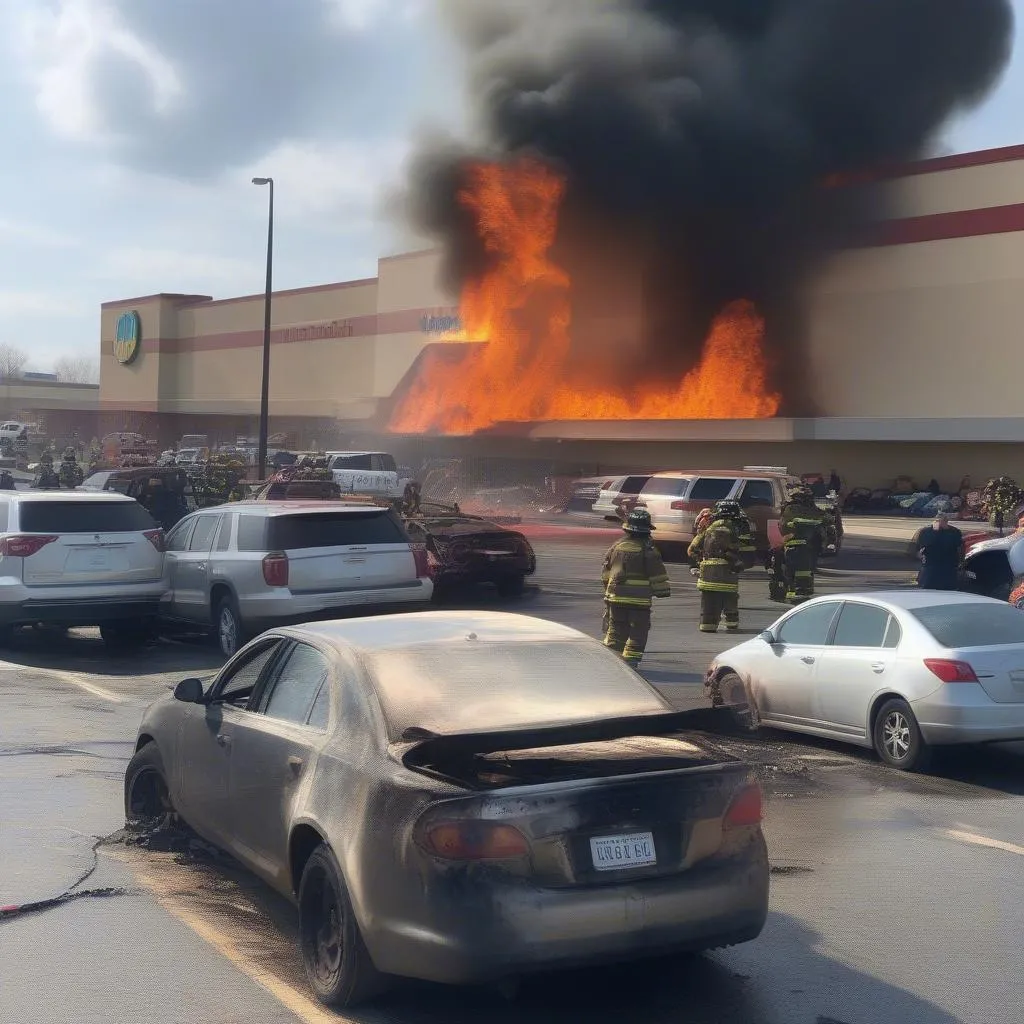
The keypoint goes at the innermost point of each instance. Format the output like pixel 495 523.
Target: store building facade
pixel 913 345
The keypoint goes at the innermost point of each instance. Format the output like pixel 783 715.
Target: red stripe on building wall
pixel 937 227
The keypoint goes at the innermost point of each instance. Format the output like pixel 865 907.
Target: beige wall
pixel 921 330
pixel 967 188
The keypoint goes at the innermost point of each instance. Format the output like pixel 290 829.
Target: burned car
pixel 465 549
pixel 460 798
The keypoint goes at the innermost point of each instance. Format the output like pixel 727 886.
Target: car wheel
pixel 511 586
pixel 898 740
pixel 228 625
pixel 730 691
pixel 147 800
pixel 126 636
pixel 337 963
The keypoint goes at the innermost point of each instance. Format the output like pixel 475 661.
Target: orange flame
pixel 522 308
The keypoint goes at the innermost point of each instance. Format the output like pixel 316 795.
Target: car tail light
pixel 688 506
pixel 275 569
pixel 156 538
pixel 422 560
pixel 951 671
pixel 476 840
pixel 747 808
pixel 24 546
pixel 607 485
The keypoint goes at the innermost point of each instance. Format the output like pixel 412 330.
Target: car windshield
pixel 491 687
pixel 972 625
pixel 84 517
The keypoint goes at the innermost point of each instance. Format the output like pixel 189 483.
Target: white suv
pixel 243 567
pixel 79 558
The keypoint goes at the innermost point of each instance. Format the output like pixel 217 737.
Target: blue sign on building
pixel 127 337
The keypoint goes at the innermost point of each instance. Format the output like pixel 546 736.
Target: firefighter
pixel 802 526
pixel 717 549
pixel 633 575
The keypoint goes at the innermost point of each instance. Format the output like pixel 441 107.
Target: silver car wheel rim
pixel 896 736
pixel 228 631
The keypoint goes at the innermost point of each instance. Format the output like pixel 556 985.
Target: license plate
pixel 617 853
pixel 90 561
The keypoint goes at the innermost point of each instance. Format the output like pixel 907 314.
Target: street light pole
pixel 265 392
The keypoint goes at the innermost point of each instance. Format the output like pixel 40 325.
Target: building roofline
pixel 956 162
pixel 206 301
pixel 177 297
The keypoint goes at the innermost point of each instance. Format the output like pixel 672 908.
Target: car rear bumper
pixel 982 722
pixel 53 605
pixel 488 932
pixel 283 607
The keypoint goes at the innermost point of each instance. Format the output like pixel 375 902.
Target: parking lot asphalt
pixel 893 895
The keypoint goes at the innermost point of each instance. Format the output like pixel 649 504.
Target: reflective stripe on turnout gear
pixel 718 588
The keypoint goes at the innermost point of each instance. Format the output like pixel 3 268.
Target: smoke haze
pixel 708 127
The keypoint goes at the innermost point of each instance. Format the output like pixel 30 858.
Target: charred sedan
pixel 459 797
pixel 467 549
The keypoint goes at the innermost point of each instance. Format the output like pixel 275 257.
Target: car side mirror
pixel 767 636
pixel 189 691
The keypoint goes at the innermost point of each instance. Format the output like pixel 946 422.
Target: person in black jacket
pixel 940 548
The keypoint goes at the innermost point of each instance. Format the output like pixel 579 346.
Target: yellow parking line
pixel 993 844
pixel 298 1002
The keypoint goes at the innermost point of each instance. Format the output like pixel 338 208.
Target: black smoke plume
pixel 711 127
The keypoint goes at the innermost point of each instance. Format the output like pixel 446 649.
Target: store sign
pixel 441 325
pixel 127 337
pixel 315 332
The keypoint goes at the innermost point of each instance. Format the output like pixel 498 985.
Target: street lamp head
pixel 262 181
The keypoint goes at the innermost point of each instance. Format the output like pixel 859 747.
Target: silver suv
pixel 243 567
pixel 75 558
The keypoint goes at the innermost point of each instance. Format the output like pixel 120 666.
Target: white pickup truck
pixel 366 473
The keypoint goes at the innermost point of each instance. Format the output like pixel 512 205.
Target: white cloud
pixel 22 233
pixel 14 303
pixel 64 46
pixel 344 179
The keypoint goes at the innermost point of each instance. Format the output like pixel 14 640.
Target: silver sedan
pixel 459 797
pixel 898 671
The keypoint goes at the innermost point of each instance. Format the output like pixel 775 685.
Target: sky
pixel 132 129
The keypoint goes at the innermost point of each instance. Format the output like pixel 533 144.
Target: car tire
pixel 726 689
pixel 127 636
pixel 511 586
pixel 227 627
pixel 897 737
pixel 147 800
pixel 336 959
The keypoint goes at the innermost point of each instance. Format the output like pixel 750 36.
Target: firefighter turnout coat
pixel 634 573
pixel 717 553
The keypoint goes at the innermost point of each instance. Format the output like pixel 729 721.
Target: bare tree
pixel 77 370
pixel 12 361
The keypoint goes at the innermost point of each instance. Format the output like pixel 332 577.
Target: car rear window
pixel 83 517
pixel 972 625
pixel 351 462
pixel 633 484
pixel 670 486
pixel 487 687
pixel 711 488
pixel 326 530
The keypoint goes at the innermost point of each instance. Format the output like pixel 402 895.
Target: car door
pixel 274 751
pixel 205 738
pixel 192 589
pixel 784 678
pixel 175 546
pixel 857 663
pixel 757 499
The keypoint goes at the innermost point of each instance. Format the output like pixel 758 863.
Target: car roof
pixel 280 508
pixel 735 474
pixel 332 454
pixel 75 495
pixel 435 628
pixel 908 600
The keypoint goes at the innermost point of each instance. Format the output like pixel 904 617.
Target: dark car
pixel 167 504
pixel 459 797
pixel 468 549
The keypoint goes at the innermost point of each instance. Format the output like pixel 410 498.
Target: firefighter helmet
pixel 639 522
pixel 728 509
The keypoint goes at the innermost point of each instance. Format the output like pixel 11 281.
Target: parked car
pixel 583 494
pixel 78 558
pixel 467 549
pixel 986 567
pixel 242 567
pixel 439 810
pixel 674 500
pixel 612 492
pixel 366 473
pixel 898 671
